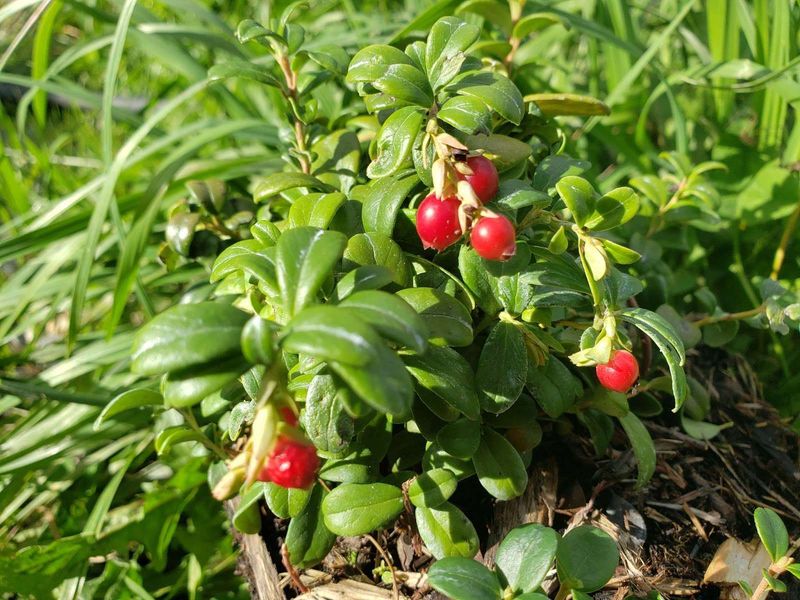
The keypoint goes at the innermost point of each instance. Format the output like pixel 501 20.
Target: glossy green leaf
pixel 499 467
pixel 308 540
pixel 325 420
pixel 772 532
pixel 375 248
pixel 284 502
pixel 337 158
pixel 643 448
pixel 661 332
pixel 383 383
pixel 406 83
pixel 464 579
pixel 480 283
pixel 249 257
pixel 555 167
pixel 448 320
pixel 180 232
pixel 445 373
pixel 449 38
pixel 250 30
pixel 331 57
pixel 368 277
pixel 496 91
pixel 383 202
pixel 356 509
pixel 507 151
pixel 315 210
pixel 553 386
pixel 579 197
pixel 586 558
pixel 394 142
pixel 460 438
pixel 391 316
pixel 331 333
pixel 247 517
pixel 186 387
pixel 620 254
pixel 258 341
pixel 171 436
pixel 446 531
pixel 371 62
pixel 128 400
pixel 467 114
pixel 525 556
pixel 502 368
pixel 436 458
pixel 615 208
pixel 494 11
pixel 305 257
pixel 432 488
pixel 559 242
pixel 274 184
pixel 187 335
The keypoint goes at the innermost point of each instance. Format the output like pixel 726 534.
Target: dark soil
pixel 702 493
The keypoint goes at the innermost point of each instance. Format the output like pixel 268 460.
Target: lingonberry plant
pixel 329 309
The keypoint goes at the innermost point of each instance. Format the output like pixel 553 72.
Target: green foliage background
pixel 129 118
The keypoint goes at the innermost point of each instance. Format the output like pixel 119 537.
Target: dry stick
pixel 295 576
pixel 389 563
pixel 788 230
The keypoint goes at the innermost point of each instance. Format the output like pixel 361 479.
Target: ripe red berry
pixel 437 222
pixel 619 373
pixel 292 464
pixel 494 238
pixel 484 178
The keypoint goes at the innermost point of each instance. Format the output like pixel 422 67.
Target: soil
pixel 703 492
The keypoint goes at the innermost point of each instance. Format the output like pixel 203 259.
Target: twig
pixel 299 129
pixel 780 252
pixel 389 563
pixel 737 316
pixel 695 521
pixel 711 518
pixel 776 570
pixel 293 574
pixel 204 439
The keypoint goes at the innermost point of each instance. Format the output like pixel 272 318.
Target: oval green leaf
pixel 356 509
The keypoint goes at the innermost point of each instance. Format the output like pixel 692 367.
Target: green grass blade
pixel 106 197
pixel 136 243
pixel 41 57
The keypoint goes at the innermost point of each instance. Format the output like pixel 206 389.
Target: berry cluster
pixel 441 222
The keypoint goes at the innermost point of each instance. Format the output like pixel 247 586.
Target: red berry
pixel 292 464
pixel 619 373
pixel 288 415
pixel 494 238
pixel 484 178
pixel 437 222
